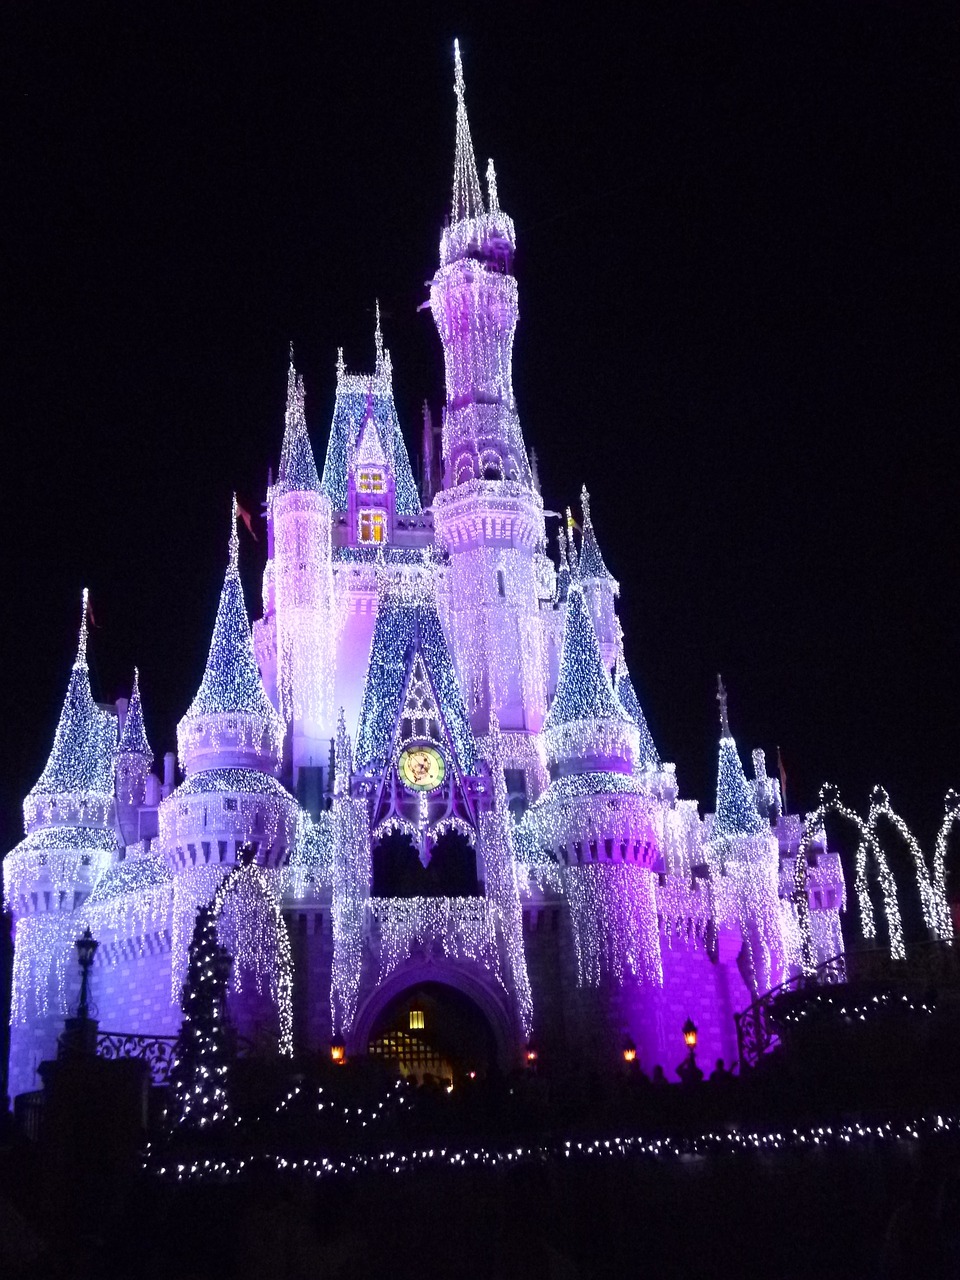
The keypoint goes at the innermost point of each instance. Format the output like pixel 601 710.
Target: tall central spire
pixel 467 197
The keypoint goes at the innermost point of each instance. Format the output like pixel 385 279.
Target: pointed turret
pixel 68 815
pixel 648 757
pixel 230 720
pixel 587 726
pixel 298 469
pixel 80 764
pixel 563 570
pixel 736 812
pixel 134 758
pixel 592 566
pixel 467 198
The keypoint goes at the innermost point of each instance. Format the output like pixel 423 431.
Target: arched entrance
pixel 468 1023
pixel 433 1030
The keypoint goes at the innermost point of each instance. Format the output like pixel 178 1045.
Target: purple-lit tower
pixel 421 791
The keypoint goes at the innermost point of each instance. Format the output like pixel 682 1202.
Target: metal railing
pixel 756 1036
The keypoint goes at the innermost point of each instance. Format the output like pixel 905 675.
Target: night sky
pixel 738 270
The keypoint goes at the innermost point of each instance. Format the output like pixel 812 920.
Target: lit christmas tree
pixel 199 1079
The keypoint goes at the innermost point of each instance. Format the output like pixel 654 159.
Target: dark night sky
pixel 738 277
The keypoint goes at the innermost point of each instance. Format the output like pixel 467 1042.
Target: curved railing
pixel 158 1052
pixel 755 1034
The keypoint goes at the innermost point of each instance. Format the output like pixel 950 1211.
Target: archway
pixel 433 1030
pixel 456 989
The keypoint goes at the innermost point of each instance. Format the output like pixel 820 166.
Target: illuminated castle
pixel 431 742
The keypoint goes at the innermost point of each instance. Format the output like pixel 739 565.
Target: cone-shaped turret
pixel 298 470
pixel 736 812
pixel 648 757
pixel 467 198
pixel 81 761
pixel 587 722
pixel 133 738
pixel 591 561
pixel 231 718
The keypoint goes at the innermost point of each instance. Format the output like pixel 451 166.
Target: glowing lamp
pixel 629 1050
pixel 86 946
pixel 690 1034
pixel 416 1019
pixel 531 1054
pixel 338 1052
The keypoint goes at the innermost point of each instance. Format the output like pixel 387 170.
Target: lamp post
pixel 338 1051
pixel 86 946
pixel 690 1036
pixel 629 1051
pixel 531 1054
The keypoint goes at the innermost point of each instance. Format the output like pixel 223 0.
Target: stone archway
pixel 484 993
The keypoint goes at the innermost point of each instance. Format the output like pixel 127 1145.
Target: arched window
pixel 501 583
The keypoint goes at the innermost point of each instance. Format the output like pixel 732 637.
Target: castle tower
pixel 744 851
pixel 648 757
pixel 70 839
pixel 488 516
pixel 134 758
pixel 600 587
pixel 303 587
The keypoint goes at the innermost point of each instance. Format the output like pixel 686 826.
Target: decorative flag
pixel 783 780
pixel 247 519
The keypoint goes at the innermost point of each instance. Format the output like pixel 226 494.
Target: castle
pixel 430 746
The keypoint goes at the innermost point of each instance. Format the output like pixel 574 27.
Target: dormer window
pixel 372 527
pixel 371 480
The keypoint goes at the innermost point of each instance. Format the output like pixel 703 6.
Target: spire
pixel 722 701
pixel 231 683
pixel 233 543
pixel 381 356
pixel 563 570
pixel 591 561
pixel 736 812
pixel 584 690
pixel 467 198
pixel 493 200
pixel 427 448
pixel 133 739
pixel 648 756
pixel 81 759
pixel 534 471
pixel 572 547
pixel 298 470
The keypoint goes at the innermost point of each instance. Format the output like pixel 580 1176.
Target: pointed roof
pixel 298 470
pixel 563 569
pixel 81 760
pixel 231 680
pixel 133 737
pixel 359 396
pixel 369 450
pixel 467 197
pixel 736 812
pixel 584 688
pixel 648 756
pixel 407 630
pixel 591 561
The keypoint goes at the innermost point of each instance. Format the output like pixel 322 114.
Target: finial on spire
pixel 562 548
pixel 467 197
pixel 722 700
pixel 493 200
pixel 571 544
pixel 291 355
pixel 234 543
pixel 378 339
pixel 81 661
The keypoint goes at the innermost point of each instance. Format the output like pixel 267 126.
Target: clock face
pixel 421 768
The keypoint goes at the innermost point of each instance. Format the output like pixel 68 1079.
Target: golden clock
pixel 421 768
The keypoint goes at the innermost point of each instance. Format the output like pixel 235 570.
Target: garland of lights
pixel 951 815
pixel 350 879
pixel 463 928
pixel 721 1144
pixel 43 945
pixel 614 913
pixel 250 925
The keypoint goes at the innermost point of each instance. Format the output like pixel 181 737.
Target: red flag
pixel 90 618
pixel 247 519
pixel 783 780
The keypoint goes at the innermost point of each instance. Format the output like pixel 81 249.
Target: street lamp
pixel 338 1051
pixel 629 1050
pixel 531 1054
pixel 86 946
pixel 690 1035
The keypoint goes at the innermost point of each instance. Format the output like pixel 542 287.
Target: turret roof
pixel 591 561
pixel 736 812
pixel 81 760
pixel 584 689
pixel 298 470
pixel 231 680
pixel 133 736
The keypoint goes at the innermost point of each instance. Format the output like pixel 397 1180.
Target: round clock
pixel 421 768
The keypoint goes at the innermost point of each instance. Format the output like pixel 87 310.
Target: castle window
pixel 373 526
pixel 501 583
pixel 230 803
pixel 416 1020
pixel 371 480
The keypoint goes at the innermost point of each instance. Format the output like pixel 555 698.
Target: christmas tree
pixel 199 1078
